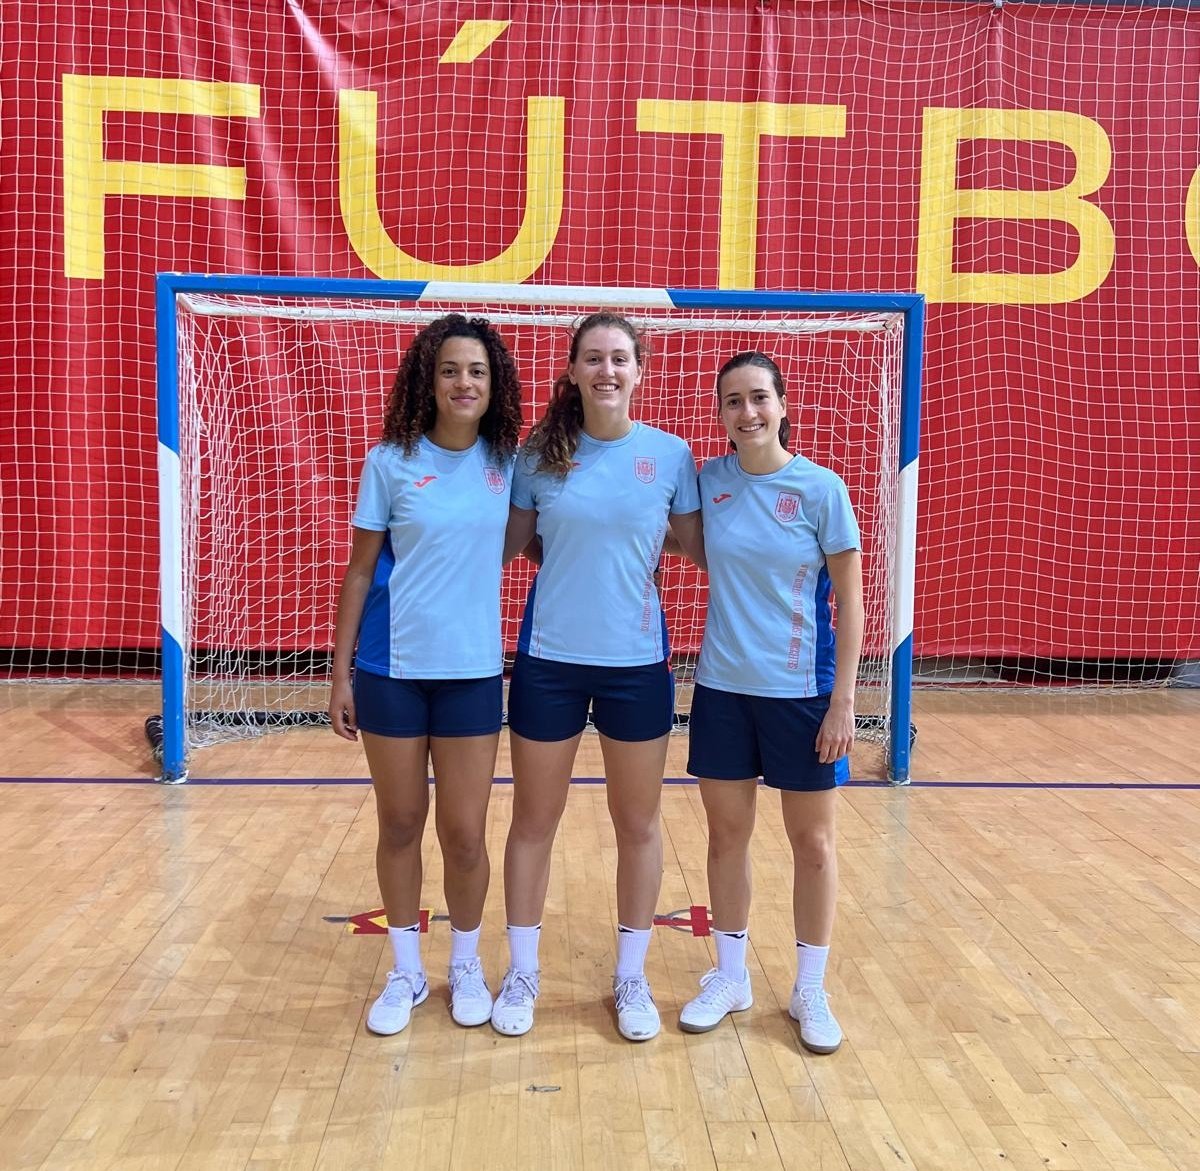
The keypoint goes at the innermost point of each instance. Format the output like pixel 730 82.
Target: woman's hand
pixel 341 709
pixel 836 736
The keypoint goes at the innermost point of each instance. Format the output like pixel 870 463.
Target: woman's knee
pixel 728 839
pixel 535 821
pixel 813 847
pixel 637 828
pixel 464 846
pixel 401 829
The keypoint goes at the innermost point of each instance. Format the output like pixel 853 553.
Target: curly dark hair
pixel 555 436
pixel 754 358
pixel 412 409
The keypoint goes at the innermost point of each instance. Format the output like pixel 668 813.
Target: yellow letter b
pixel 942 204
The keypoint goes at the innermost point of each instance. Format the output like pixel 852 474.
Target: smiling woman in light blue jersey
pixel 777 604
pixel 428 613
pixel 603 523
pixel 600 491
pixel 774 694
pixel 419 619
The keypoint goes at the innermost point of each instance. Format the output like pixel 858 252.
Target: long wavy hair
pixel 555 436
pixel 754 358
pixel 412 408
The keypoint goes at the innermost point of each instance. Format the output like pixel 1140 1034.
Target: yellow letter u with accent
pixel 359 196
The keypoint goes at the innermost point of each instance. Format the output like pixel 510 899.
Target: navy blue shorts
pixel 427 707
pixel 549 701
pixel 736 737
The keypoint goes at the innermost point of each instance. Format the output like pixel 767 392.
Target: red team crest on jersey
pixel 495 479
pixel 787 507
pixel 643 468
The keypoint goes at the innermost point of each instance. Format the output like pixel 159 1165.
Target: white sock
pixel 632 946
pixel 406 947
pixel 810 965
pixel 523 947
pixel 731 954
pixel 464 945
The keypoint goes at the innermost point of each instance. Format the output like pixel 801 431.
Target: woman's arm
pixel 836 736
pixel 521 532
pixel 364 554
pixel 687 537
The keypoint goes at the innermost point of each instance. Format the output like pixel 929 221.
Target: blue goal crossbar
pixel 168 287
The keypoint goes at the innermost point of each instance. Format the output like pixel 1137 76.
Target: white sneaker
pixel 637 1016
pixel 819 1030
pixel 401 994
pixel 470 998
pixel 512 1014
pixel 719 996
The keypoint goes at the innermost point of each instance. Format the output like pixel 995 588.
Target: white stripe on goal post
pixel 170 537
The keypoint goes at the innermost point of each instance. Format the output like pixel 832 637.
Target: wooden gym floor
pixel 184 971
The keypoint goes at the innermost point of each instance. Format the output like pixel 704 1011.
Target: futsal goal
pixel 272 389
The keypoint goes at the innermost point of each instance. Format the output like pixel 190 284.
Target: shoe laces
pixel 713 986
pixel 401 987
pixel 468 977
pixel 633 993
pixel 518 988
pixel 816 1005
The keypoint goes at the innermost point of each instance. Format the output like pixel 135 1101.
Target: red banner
pixel 1032 169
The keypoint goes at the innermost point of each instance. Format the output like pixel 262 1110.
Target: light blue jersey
pixel 433 609
pixel 602 526
pixel 768 630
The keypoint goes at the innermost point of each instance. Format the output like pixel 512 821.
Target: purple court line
pixel 305 782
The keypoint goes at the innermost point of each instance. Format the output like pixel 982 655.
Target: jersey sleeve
pixel 523 481
pixel 837 528
pixel 687 490
pixel 374 508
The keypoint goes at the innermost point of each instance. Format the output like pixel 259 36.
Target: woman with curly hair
pixel 418 619
pixel 600 491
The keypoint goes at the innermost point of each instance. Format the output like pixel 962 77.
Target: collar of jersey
pixel 466 451
pixel 756 479
pixel 584 437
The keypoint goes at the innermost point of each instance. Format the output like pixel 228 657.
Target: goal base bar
pixel 865 726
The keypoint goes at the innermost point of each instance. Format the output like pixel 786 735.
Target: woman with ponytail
pixel 774 694
pixel 599 490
